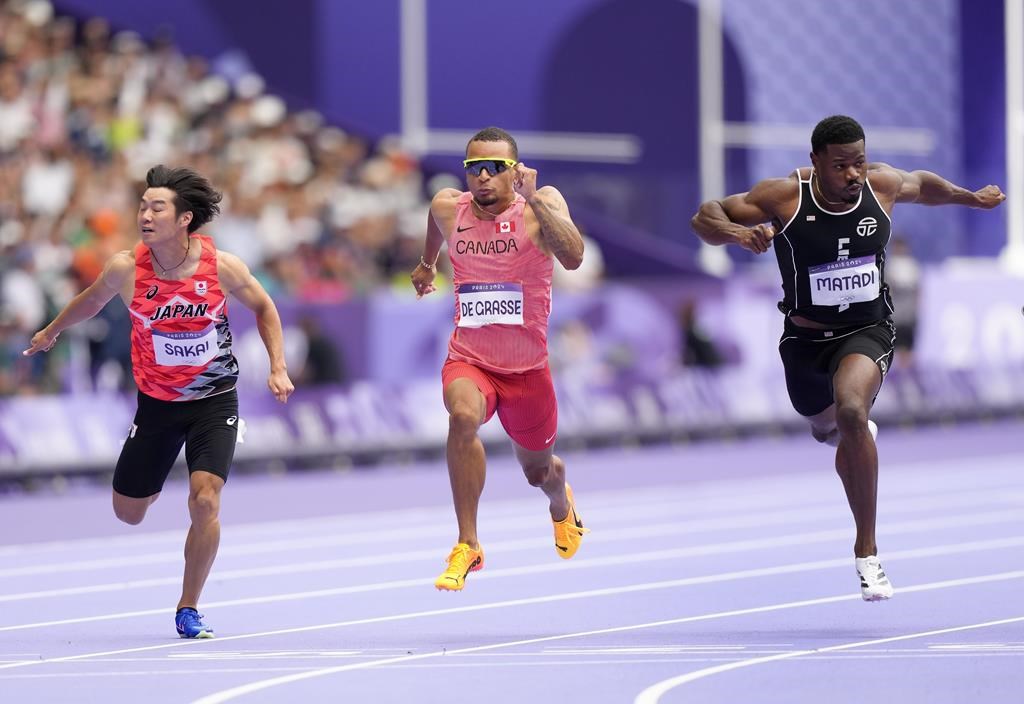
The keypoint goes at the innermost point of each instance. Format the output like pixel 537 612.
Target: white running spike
pixel 874 585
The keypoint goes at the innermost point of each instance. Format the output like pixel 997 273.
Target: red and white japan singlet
pixel 181 342
pixel 502 291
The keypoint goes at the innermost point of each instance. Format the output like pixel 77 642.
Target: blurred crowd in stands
pixel 319 215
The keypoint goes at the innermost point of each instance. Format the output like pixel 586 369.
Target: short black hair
pixel 836 129
pixel 494 134
pixel 192 193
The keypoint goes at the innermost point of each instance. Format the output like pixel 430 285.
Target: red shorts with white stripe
pixel 525 402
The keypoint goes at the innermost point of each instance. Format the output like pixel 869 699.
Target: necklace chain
pixel 817 182
pixel 480 209
pixel 187 249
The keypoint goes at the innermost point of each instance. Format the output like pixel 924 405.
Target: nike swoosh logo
pixel 561 548
pixel 550 439
pixel 463 229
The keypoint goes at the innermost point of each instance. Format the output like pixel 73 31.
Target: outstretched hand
pixel 989 197
pixel 758 239
pixel 42 341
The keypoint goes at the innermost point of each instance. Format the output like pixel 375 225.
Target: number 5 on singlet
pixel 489 304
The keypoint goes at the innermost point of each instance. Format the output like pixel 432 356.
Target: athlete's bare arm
pixel 118 275
pixel 558 233
pixel 744 219
pixel 236 279
pixel 928 188
pixel 440 220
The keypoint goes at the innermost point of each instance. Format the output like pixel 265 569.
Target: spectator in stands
pixel 324 362
pixel 313 211
pixel 698 349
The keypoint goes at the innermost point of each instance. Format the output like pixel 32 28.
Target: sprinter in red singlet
pixel 174 284
pixel 501 235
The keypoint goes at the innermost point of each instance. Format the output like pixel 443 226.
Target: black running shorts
pixel 207 428
pixel 811 358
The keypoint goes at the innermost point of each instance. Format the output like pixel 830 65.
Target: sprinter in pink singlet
pixel 502 235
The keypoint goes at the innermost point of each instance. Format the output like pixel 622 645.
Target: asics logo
pixel 232 419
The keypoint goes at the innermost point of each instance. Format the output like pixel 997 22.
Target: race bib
pixel 490 304
pixel 192 349
pixel 844 282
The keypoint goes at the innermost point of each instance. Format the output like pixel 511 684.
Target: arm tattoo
pixel 557 231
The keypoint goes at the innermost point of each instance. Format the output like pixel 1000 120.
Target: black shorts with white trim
pixel 811 358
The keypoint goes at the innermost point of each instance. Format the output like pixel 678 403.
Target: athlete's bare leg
pixel 132 510
pixel 203 535
pixel 855 385
pixel 823 426
pixel 466 458
pixel 546 470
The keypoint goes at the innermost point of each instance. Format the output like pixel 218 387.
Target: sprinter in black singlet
pixel 830 223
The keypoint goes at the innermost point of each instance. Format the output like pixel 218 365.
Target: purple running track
pixel 715 572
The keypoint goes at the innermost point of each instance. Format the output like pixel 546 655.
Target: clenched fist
pixel 757 238
pixel 988 197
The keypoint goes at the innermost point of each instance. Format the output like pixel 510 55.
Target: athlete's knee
pixel 131 516
pixel 463 422
pixel 204 504
pixel 824 434
pixel 537 473
pixel 540 471
pixel 852 417
pixel 130 510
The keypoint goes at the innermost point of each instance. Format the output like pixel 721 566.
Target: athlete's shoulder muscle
pixel 885 180
pixel 232 273
pixel 442 209
pixel 119 273
pixel 444 201
pixel 770 199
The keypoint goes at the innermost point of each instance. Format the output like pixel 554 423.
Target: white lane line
pixel 152 673
pixel 527 662
pixel 595 562
pixel 440 526
pixel 943 477
pixel 668 497
pixel 235 692
pixel 653 694
pixel 617 560
pixel 605 535
pixel 630 531
pixel 550 598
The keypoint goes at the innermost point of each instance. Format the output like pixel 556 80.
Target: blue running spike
pixel 189 623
